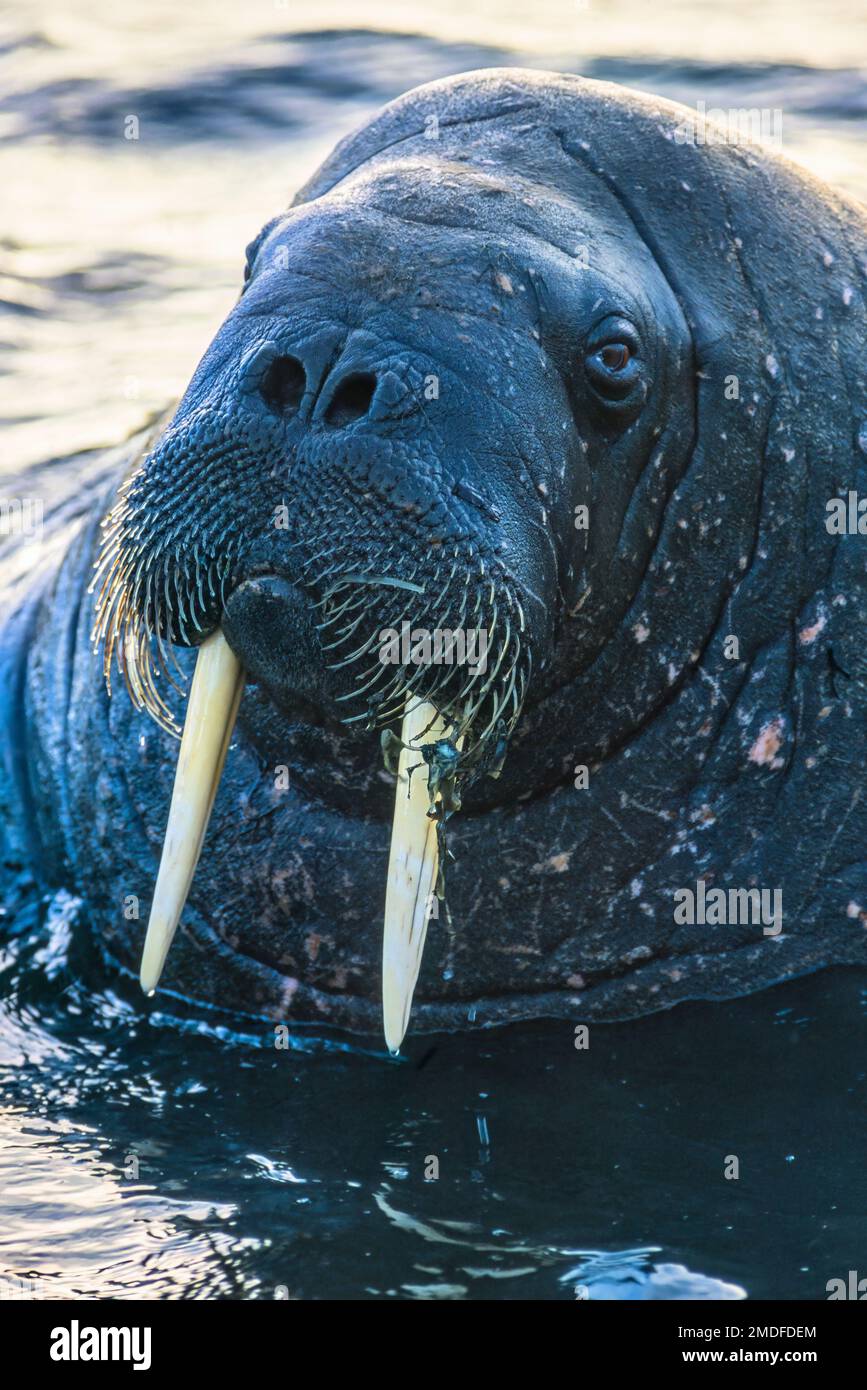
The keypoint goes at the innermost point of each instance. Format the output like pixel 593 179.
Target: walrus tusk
pixel 215 694
pixel 412 874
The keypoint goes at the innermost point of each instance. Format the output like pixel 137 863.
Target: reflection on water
pixel 120 257
pixel 150 1155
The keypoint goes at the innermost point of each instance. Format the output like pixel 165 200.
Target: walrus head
pixel 476 383
pixel 398 427
pixel 400 422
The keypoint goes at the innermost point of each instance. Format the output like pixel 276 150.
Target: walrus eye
pixel 615 356
pixel 612 361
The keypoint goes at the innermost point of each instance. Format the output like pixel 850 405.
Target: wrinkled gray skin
pixel 548 218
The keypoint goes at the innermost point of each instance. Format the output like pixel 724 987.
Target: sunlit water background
pixel 150 1153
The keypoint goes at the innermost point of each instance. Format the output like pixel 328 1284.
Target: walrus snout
pixel 293 384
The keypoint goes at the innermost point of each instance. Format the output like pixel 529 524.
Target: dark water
pixel 149 1151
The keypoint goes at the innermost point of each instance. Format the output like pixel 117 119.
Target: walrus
pixel 533 357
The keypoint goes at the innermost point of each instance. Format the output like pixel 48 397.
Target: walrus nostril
pixel 352 399
pixel 283 384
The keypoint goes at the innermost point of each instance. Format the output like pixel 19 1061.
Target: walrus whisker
pixel 113 613
pixel 345 634
pixel 468 717
pixel 149 605
pixel 362 690
pixel 153 701
pixel 386 582
pixel 346 581
pixel 307 564
pixel 402 692
pixel 167 598
pixel 356 655
pixel 111 583
pixel 164 665
pixel 332 592
pixel 108 553
pixel 181 613
pixel 110 638
pixel 135 667
pixel 140 571
pixel 338 585
pixel 438 602
pixel 398 687
pixel 360 652
pixel 200 595
pixel 365 603
pixel 348 606
pixel 500 704
pixel 126 666
pixel 491 630
pixel 377 669
pixel 150 694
